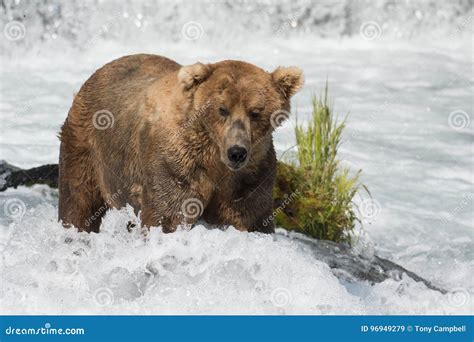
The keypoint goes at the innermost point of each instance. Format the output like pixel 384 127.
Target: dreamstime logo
pixel 280 208
pixel 104 296
pixel 466 201
pixel 14 30
pixel 109 200
pixel 291 22
pixel 370 209
pixel 370 30
pixel 103 119
pixel 279 117
pixel 195 116
pixel 14 208
pixel 115 20
pixel 459 119
pixel 192 208
pixel 288 24
pixel 192 30
pixel 281 297
pixel 458 297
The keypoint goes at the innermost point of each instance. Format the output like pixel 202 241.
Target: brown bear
pixel 177 143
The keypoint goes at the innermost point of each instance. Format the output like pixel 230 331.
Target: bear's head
pixel 239 105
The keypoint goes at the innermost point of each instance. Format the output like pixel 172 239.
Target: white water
pixel 399 92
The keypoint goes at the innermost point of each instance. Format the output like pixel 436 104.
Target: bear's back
pixel 125 77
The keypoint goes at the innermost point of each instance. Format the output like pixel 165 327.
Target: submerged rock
pixel 12 176
pixel 351 266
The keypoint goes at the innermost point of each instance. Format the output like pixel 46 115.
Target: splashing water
pixel 196 271
pixel 402 71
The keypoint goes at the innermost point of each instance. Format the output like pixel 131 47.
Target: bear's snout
pixel 237 155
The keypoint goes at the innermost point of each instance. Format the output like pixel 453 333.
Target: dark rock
pixel 350 266
pixel 12 176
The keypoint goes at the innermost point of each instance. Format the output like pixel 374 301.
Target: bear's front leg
pixel 250 214
pixel 171 202
pixel 248 210
pixel 171 210
pixel 254 208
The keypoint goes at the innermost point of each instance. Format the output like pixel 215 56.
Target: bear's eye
pixel 224 112
pixel 255 114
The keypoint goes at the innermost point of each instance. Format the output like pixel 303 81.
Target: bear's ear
pixel 288 80
pixel 191 75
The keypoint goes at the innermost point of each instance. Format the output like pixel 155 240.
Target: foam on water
pixel 51 270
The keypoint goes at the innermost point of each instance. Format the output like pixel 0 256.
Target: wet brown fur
pixel 167 142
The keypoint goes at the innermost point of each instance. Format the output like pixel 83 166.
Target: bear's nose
pixel 237 154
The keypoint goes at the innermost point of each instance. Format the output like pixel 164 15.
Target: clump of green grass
pixel 323 207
